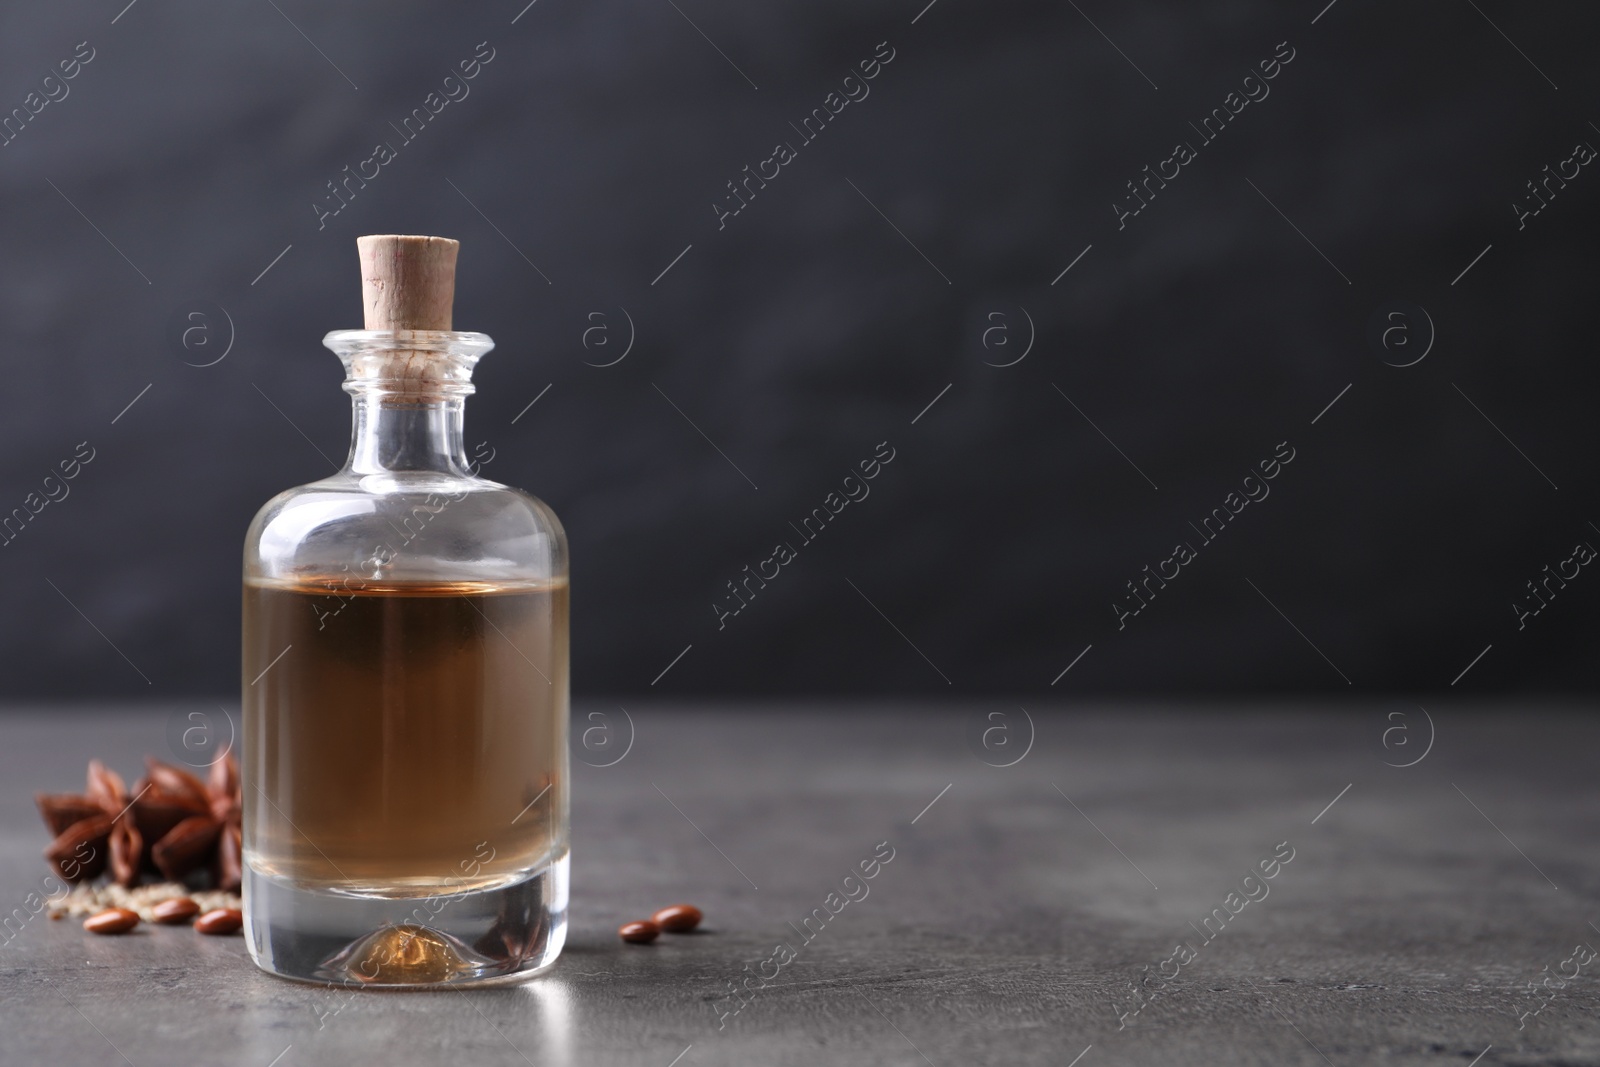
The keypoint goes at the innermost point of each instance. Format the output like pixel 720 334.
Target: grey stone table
pixel 1022 909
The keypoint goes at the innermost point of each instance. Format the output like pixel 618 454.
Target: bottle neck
pixel 409 388
pixel 391 434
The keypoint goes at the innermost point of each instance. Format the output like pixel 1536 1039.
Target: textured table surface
pixel 1010 927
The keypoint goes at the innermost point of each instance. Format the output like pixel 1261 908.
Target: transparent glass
pixel 405 697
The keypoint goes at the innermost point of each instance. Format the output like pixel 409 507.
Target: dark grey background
pixel 809 330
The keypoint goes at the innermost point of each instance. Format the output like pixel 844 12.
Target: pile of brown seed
pixel 113 909
pixel 85 899
pixel 217 922
pixel 674 919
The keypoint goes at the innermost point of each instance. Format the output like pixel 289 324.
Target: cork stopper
pixel 407 283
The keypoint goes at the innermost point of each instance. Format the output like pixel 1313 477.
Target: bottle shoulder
pixel 406 527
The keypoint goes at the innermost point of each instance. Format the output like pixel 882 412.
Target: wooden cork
pixel 407 283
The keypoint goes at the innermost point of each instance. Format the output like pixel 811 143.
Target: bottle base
pixel 504 934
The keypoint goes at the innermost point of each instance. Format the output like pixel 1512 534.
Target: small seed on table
pixel 111 921
pixel 678 918
pixel 639 933
pixel 219 921
pixel 176 910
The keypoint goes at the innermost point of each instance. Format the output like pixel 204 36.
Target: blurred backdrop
pixel 1087 272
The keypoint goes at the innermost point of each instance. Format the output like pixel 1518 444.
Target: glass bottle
pixel 404 678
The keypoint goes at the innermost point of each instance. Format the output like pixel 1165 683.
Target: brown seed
pixel 219 922
pixel 678 918
pixel 639 933
pixel 174 911
pixel 111 921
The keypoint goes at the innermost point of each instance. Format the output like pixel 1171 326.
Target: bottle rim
pixel 408 366
pixel 444 342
